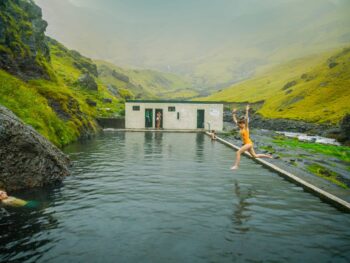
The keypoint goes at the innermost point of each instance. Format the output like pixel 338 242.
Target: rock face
pixel 107 100
pixel 91 103
pixel 88 82
pixel 345 130
pixel 113 89
pixel 26 158
pixel 23 49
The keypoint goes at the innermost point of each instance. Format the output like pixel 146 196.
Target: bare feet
pixel 235 167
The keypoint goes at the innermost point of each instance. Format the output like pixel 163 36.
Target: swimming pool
pixel 171 197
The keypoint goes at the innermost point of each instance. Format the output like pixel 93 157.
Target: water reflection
pixel 158 138
pixel 200 147
pixel 241 215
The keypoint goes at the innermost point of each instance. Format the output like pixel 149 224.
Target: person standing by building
pixel 158 120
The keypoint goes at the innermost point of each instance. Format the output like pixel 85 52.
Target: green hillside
pixel 58 108
pixel 49 87
pixel 146 84
pixel 314 88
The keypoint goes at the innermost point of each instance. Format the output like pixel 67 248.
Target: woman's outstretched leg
pixel 252 152
pixel 238 155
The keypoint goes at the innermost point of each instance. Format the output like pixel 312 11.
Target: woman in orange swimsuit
pixel 247 142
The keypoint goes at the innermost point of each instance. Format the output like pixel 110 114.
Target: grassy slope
pixel 322 95
pixel 25 101
pixel 30 100
pixel 146 83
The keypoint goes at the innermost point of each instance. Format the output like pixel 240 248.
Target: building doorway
pixel 200 119
pixel 149 118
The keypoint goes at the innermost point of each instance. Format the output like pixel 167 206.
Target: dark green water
pixel 170 197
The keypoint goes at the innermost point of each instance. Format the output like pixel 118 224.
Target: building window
pixel 171 108
pixel 178 115
pixel 135 108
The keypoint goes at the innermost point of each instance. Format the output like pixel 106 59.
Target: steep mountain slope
pixel 23 51
pixel 314 88
pixel 147 84
pixel 48 86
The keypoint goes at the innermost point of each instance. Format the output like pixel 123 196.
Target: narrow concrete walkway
pixel 155 130
pixel 323 195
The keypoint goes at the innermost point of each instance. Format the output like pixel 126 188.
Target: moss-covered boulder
pixel 27 159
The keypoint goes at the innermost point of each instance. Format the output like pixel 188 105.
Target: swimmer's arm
pixel 247 116
pixel 234 115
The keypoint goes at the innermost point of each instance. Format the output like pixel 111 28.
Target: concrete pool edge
pixel 322 194
pixel 154 130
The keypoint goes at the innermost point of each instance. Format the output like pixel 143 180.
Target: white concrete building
pixel 175 115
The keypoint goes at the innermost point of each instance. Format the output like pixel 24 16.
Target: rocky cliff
pixel 23 48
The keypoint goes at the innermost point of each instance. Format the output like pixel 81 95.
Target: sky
pixel 198 38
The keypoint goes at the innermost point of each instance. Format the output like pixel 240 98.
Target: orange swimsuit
pixel 245 136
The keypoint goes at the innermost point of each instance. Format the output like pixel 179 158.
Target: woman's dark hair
pixel 241 120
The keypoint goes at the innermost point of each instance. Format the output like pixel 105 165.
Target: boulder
pixel 91 102
pixel 332 64
pixel 289 85
pixel 27 159
pixel 88 82
pixel 107 100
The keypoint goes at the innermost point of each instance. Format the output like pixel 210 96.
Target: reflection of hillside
pixel 24 231
pixel 241 214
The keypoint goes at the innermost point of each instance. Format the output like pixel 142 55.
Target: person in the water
pixel 213 135
pixel 15 202
pixel 247 142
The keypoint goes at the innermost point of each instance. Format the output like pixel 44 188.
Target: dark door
pixel 148 118
pixel 160 118
pixel 200 119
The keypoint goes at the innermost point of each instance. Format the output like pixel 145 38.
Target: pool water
pixel 171 197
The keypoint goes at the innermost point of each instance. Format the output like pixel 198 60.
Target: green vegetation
pixel 57 108
pixel 340 152
pixel 327 174
pixel 268 148
pixel 314 88
pixel 145 84
pixel 25 101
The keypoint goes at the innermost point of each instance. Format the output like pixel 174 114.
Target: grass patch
pixel 268 148
pixel 327 174
pixel 340 152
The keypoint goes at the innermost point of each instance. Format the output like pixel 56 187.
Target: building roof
pixel 175 101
